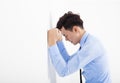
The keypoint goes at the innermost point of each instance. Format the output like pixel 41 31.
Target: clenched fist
pixel 53 35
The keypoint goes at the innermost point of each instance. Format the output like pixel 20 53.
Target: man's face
pixel 71 36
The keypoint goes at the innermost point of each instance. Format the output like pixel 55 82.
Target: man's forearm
pixel 51 42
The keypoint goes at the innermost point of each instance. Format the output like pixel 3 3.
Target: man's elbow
pixel 62 73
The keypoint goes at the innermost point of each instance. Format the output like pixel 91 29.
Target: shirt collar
pixel 83 39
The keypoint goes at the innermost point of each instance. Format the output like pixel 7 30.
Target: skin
pixel 73 36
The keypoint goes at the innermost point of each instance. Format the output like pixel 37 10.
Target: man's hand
pixel 53 36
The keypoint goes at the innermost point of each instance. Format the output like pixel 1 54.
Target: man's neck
pixel 81 34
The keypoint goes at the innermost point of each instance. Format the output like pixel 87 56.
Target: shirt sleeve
pixel 63 51
pixel 78 60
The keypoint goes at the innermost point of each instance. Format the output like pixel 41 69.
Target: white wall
pixel 23 41
pixel 101 18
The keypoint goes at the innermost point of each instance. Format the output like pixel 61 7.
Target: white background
pixel 23 36
pixel 23 41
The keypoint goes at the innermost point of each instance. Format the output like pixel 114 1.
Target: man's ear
pixel 75 29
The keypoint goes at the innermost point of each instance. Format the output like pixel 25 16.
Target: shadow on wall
pixel 51 70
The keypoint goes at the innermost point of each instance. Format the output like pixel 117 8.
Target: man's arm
pixel 77 61
pixel 63 51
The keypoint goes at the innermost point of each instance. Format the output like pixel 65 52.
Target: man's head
pixel 71 26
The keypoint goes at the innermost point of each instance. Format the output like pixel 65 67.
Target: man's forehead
pixel 62 30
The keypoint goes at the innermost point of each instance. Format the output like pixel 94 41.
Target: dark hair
pixel 68 20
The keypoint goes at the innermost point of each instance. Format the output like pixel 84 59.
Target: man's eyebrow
pixel 63 34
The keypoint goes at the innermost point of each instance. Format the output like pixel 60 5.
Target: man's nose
pixel 66 39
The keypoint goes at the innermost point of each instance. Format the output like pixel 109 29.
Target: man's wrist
pixel 51 43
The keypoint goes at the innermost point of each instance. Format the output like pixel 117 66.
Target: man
pixel 90 57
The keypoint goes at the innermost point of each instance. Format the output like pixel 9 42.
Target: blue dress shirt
pixel 91 58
